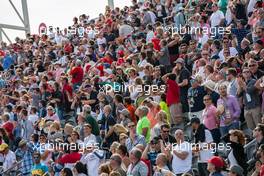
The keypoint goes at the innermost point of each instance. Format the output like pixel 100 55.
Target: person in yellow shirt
pixel 164 106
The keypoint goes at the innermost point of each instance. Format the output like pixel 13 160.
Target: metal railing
pixel 12 170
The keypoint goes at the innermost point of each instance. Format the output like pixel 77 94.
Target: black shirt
pixel 184 74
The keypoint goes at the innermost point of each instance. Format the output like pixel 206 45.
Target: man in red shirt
pixel 77 74
pixel 8 125
pixel 173 98
pixel 66 94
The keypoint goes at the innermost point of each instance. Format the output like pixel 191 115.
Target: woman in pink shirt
pixel 210 119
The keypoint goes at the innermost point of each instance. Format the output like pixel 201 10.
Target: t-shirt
pixel 165 59
pixel 173 92
pixel 39 169
pixel 184 74
pixel 92 162
pixel 216 18
pixel 144 123
pixel 164 107
pixel 180 166
pixel 95 128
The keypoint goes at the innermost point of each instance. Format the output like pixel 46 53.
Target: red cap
pixel 121 53
pixel 217 161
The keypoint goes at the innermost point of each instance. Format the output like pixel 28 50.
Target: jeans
pixel 225 129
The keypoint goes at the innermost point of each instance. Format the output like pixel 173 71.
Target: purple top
pixel 230 103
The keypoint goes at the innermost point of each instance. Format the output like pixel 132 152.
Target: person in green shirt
pixel 222 4
pixel 143 125
pixel 89 119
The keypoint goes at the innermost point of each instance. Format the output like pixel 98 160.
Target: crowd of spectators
pixel 161 87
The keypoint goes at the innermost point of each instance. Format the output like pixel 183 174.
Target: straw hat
pixel 209 84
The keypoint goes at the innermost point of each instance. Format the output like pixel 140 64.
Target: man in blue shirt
pixel 39 168
pixel 7 61
pixel 195 98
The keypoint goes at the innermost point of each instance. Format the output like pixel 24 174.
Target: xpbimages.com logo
pixel 146 89
pixel 203 146
pixel 65 146
pixel 212 31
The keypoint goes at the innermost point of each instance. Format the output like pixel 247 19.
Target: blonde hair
pixel 162 116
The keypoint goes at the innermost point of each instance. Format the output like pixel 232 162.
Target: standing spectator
pixel 183 82
pixel 143 125
pixel 181 155
pixel 38 167
pixel 26 125
pixel 228 111
pixel 107 127
pixel 134 138
pixel 165 135
pixel 217 16
pixel 77 74
pixel 173 98
pixel 25 154
pixel 152 150
pixel 237 155
pixel 251 99
pixel 211 121
pixel 115 163
pixel 203 138
pixel 195 98
pixel 137 167
pixel 9 158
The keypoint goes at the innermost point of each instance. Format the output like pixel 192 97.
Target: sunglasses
pixel 165 131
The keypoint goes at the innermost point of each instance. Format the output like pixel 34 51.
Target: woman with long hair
pixel 237 155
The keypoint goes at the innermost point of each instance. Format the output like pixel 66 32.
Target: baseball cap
pixel 237 170
pixel 217 161
pixel 3 146
pixel 179 60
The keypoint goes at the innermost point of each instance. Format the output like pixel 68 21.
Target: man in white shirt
pixel 233 51
pixel 9 157
pixel 33 117
pixel 150 33
pixel 92 157
pixel 181 154
pixel 217 16
pixel 88 136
